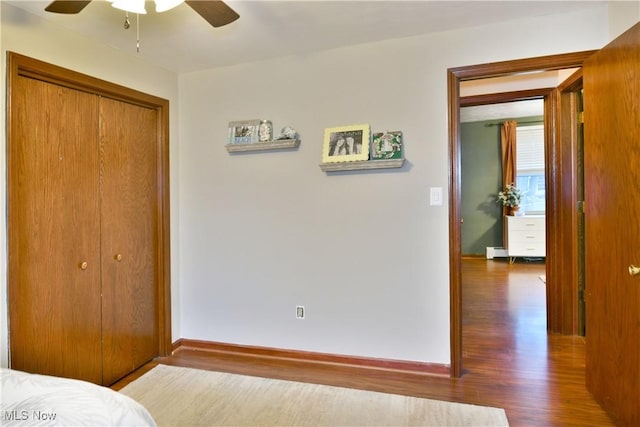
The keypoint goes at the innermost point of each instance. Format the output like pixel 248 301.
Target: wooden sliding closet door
pixel 129 220
pixel 54 268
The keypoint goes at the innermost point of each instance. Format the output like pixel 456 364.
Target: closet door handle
pixel 118 257
pixel 83 265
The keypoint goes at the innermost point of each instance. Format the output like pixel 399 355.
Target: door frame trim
pixel 498 69
pixel 20 65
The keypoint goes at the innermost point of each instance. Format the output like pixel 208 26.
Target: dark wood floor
pixel 509 360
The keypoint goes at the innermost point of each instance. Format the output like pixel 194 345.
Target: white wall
pixel 29 35
pixel 365 253
pixel 623 14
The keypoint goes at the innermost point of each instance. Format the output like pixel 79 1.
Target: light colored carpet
pixel 178 396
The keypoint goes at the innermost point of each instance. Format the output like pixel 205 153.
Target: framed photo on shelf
pixel 244 132
pixel 346 144
pixel 387 145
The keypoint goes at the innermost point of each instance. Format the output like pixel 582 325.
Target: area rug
pixel 177 396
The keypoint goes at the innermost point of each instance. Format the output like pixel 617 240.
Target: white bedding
pixel 41 400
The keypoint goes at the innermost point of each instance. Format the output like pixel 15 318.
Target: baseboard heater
pixel 496 252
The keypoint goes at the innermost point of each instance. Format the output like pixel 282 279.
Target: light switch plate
pixel 435 196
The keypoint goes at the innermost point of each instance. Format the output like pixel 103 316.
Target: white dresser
pixel 526 236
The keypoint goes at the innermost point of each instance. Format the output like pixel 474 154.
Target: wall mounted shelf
pixel 362 165
pixel 258 146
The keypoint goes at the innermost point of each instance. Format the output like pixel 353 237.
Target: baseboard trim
pixel 473 256
pixel 307 357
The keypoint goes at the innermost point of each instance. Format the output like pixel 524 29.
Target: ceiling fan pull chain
pixel 127 25
pixel 138 32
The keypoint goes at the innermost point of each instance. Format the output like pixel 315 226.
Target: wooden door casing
pixel 556 205
pixel 612 199
pixel 129 208
pixel 52 198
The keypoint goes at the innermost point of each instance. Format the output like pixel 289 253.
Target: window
pixel 530 168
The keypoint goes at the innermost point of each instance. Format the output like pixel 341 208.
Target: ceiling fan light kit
pixel 164 5
pixel 137 6
pixel 133 6
pixel 215 12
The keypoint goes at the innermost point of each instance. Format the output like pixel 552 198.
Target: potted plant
pixel 510 197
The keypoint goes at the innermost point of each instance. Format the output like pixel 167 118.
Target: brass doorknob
pixel 84 265
pixel 118 257
pixel 633 270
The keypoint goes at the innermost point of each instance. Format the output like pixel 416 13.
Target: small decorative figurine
pixel 265 131
pixel 288 132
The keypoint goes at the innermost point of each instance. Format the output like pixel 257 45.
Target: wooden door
pixel 53 224
pixel 129 220
pixel 612 187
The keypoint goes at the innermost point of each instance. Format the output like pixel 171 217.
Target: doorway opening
pixel 560 314
pixel 513 287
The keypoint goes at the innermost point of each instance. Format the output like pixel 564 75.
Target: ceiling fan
pixel 215 12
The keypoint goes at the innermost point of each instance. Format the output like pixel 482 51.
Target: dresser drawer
pixel 526 236
pixel 525 223
pixel 527 249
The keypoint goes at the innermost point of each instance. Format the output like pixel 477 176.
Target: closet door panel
pixel 53 224
pixel 129 220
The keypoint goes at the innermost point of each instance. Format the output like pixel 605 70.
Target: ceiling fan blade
pixel 66 6
pixel 215 12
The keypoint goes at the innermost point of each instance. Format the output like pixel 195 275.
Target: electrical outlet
pixel 300 312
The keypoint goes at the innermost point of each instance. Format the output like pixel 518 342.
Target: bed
pixel 42 400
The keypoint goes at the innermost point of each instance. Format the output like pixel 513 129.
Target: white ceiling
pixel 181 41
